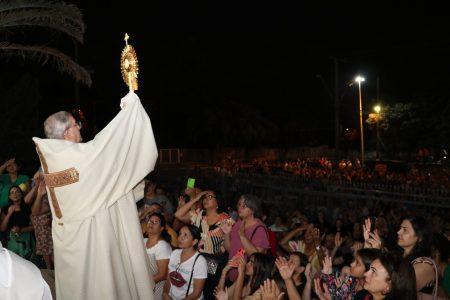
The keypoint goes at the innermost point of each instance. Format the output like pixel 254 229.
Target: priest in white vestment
pixel 21 279
pixel 92 188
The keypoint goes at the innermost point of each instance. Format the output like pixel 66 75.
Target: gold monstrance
pixel 129 65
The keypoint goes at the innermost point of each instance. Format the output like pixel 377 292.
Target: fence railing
pixel 276 188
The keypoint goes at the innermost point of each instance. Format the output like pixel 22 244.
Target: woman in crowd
pixel 16 223
pixel 251 276
pixel 249 233
pixel 41 219
pixel 187 268
pixel 415 239
pixel 208 220
pixel 296 274
pixel 351 287
pixel 389 277
pixel 158 249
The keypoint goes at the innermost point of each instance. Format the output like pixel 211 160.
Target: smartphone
pixel 191 183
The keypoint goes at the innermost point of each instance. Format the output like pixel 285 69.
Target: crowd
pixel 200 248
pixel 343 171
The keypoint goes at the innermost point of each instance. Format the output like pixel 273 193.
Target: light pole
pixel 360 79
pixel 377 109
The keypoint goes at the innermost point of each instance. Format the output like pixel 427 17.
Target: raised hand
pixel 241 265
pixel 221 294
pixel 327 265
pixel 286 270
pixel 366 229
pixel 270 290
pixel 338 240
pixel 226 227
pixel 374 240
pixel 308 272
pixel 41 188
pixel 321 291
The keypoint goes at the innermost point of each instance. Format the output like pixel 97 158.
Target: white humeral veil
pixel 97 239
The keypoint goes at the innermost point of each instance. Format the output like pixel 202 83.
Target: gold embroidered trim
pixel 55 203
pixel 61 178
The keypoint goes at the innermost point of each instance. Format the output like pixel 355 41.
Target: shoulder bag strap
pixel 436 274
pixel 192 274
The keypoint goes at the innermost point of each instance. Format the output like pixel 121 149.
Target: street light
pixel 377 109
pixel 360 79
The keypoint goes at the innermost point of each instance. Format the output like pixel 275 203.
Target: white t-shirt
pixel 185 269
pixel 161 250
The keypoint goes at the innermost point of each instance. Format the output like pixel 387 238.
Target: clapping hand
pixel 323 294
pixel 221 294
pixel 226 227
pixel 270 290
pixel 284 267
pixel 338 240
pixel 327 265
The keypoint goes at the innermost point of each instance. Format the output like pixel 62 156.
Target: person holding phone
pixel 208 219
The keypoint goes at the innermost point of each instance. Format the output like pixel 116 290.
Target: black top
pixel 19 218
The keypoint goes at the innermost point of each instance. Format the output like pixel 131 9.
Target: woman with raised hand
pixel 353 284
pixel 208 219
pixel 296 273
pixel 390 277
pixel 251 275
pixel 16 223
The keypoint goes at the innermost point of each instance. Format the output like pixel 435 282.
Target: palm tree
pixel 54 16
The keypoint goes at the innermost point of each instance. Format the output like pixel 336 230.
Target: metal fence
pixel 292 191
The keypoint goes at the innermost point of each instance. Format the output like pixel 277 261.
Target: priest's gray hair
pixel 57 124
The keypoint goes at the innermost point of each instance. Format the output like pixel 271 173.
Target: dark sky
pixel 265 56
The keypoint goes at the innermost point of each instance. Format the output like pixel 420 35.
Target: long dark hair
pixel 23 205
pixel 401 275
pixel 262 269
pixel 162 221
pixel 424 238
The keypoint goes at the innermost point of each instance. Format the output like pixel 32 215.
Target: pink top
pixel 259 240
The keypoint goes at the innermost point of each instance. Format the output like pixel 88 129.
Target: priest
pixel 92 189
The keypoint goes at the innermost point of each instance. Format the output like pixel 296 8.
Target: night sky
pixel 267 57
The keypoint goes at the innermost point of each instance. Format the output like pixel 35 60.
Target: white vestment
pixel 20 279
pixel 96 232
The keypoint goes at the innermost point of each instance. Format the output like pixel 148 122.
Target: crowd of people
pixel 343 171
pixel 349 251
pixel 200 248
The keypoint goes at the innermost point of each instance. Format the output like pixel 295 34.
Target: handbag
pixel 212 263
pixel 434 296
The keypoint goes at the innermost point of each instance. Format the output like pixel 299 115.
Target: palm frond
pixel 69 10
pixel 43 55
pixel 46 20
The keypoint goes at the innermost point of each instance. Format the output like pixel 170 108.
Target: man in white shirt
pixel 20 279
